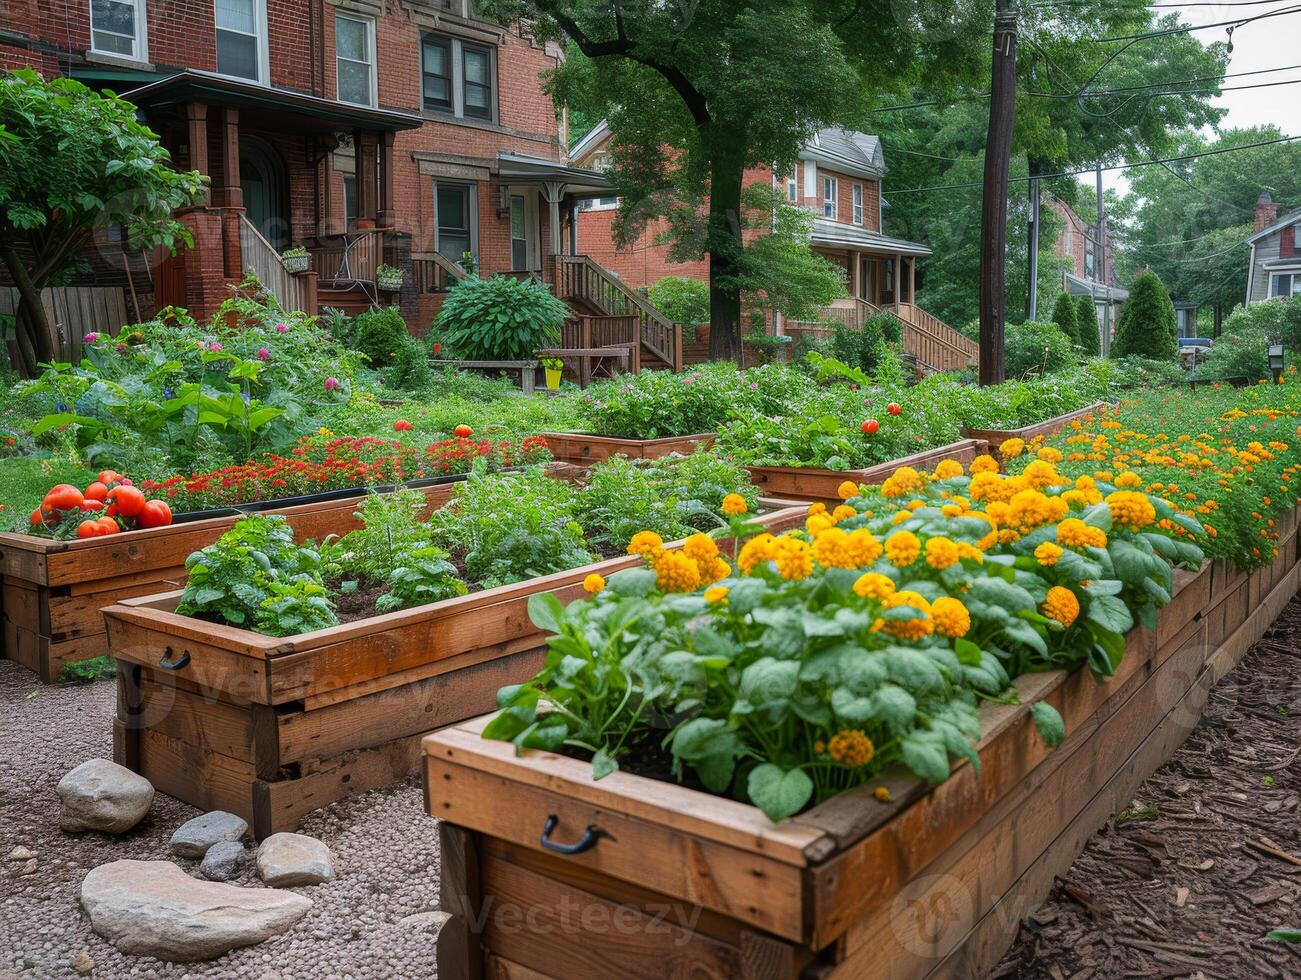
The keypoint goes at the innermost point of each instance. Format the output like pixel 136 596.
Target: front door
pixel 524 253
pixel 452 213
pixel 262 178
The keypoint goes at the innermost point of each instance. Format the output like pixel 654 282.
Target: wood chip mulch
pixel 1206 861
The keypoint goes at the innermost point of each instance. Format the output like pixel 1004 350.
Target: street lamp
pixel 1276 361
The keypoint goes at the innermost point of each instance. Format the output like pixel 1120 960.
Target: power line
pixel 1183 29
pixel 1119 166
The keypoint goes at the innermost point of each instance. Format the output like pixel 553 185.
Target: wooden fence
pixel 74 311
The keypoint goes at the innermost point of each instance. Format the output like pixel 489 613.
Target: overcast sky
pixel 1269 43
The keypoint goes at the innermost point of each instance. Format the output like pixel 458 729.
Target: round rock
pixel 285 860
pixel 101 795
pixel 223 860
pixel 193 838
pixel 153 908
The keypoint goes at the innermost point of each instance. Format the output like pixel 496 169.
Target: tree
pixel 1086 326
pixel 73 161
pixel 1064 316
pixel 1147 322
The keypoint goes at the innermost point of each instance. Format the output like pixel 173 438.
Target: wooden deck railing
pixel 578 276
pixel 941 331
pixel 925 336
pixel 433 272
pixel 261 258
pixel 351 258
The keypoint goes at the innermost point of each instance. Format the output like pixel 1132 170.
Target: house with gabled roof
pixel 1274 271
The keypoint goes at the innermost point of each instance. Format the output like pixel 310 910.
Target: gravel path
pixel 385 848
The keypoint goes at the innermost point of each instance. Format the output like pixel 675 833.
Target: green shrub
pixel 499 319
pixel 1147 322
pixel 1139 372
pixel 683 300
pixel 1240 352
pixel 1035 347
pixel 381 335
pixel 1086 327
pixel 1064 316
pixel 865 347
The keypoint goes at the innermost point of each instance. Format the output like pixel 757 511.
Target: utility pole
pixel 1100 267
pixel 993 212
pixel 1032 251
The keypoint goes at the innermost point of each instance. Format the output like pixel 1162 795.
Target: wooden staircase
pixel 592 290
pixel 935 344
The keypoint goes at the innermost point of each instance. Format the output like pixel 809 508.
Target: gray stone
pixel 285 860
pixel 101 795
pixel 223 860
pixel 425 921
pixel 20 853
pixel 153 908
pixel 83 962
pixel 193 838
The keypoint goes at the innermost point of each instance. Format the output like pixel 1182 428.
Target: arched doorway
pixel 266 192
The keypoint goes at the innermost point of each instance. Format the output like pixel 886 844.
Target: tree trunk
pixel 727 171
pixel 993 215
pixel 32 328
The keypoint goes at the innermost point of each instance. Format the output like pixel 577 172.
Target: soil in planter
pixel 645 758
pixel 1206 860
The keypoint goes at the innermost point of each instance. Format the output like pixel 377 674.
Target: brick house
pixel 1274 271
pixel 1092 269
pixel 838 177
pixel 406 132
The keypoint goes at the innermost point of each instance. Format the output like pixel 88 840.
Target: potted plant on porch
pixel 389 277
pixel 554 367
pixel 295 259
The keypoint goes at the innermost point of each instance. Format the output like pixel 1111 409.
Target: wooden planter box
pixel 274 727
pixel 53 590
pixel 584 448
pixel 933 883
pixel 993 437
pixel 815 484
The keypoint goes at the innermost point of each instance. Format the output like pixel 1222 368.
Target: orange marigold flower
pixel 941 553
pixel 676 572
pixel 950 617
pixel 1061 605
pixel 882 794
pixel 902 548
pixel 851 748
pixel 734 505
pixel 1048 553
pixel 594 583
pixel 915 628
pixel 847 490
pixel 874 585
pixel 648 544
pixel 983 463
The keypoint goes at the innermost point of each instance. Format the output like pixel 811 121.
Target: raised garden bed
pixel 1041 430
pixel 815 484
pixel 272 728
pixel 53 590
pixel 585 448
pixel 656 879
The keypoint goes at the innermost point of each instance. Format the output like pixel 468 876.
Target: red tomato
pixel 463 430
pixel 108 477
pixel 870 426
pixel 128 500
pixel 89 529
pixel 894 408
pixel 63 497
pixel 37 517
pixel 108 525
pixel 96 491
pixel 89 504
pixel 156 513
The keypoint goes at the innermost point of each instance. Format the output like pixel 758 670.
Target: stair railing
pixel 580 277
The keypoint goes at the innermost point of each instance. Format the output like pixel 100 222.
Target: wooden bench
pixel 598 362
pixel 527 370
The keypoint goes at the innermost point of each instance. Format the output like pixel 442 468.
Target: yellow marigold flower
pixel 1104 475
pixel 1048 553
pixel 700 548
pixel 818 508
pixel 874 585
pixel 1061 605
pixel 1040 474
pixel 594 583
pixel 1049 454
pixel 719 569
pixel 864 548
pixel 1011 448
pixel 793 558
pixel 902 548
pixel 1129 479
pixel 716 594
pixel 901 516
pixel 970 551
pixel 851 748
pixel 946 469
pixel 817 523
pixel 882 794
pixel 843 512
pixel 648 544
pixel 908 629
pixel 941 553
pixel 734 504
pixel 1073 498
pixel 1074 533
pixel 951 510
pixel 950 617
pixel 756 551
pixel 1131 509
pixel 847 490
pixel 675 572
pixel 983 463
pixel 903 480
pixel 831 549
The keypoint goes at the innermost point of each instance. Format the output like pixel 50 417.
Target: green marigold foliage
pixel 499 319
pixel 1064 316
pixel 1147 322
pixel 1086 327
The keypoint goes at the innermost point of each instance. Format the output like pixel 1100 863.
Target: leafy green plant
pixel 1035 348
pixel 87 671
pixel 1087 332
pixel 425 576
pixel 1147 321
pixel 1064 316
pixel 500 319
pixel 683 300
pixel 380 335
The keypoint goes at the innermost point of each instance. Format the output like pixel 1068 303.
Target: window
pixel 1296 235
pixel 858 204
pixel 598 204
pixel 1284 284
pixel 452 213
pixel 354 59
pixel 829 192
pixel 350 201
pixel 241 33
pixel 1089 260
pixel 458 77
pixel 118 27
pixel 519 244
pixel 792 186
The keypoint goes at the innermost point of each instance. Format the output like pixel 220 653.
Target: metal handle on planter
pixel 584 843
pixel 176 664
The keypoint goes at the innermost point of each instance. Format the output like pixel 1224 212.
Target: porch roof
pixel 515 168
pixel 834 234
pixel 270 107
pixel 1089 287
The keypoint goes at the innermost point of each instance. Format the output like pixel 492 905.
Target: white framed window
pixel 598 204
pixel 830 192
pixel 858 204
pixel 1296 235
pixel 117 27
pixel 242 39
pixel 793 185
pixel 458 77
pixel 1284 284
pixel 354 59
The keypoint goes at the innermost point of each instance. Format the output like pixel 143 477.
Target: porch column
pixel 232 194
pixel 367 204
pixel 387 210
pixel 553 194
pixel 912 279
pixel 898 280
pixel 855 261
pixel 196 124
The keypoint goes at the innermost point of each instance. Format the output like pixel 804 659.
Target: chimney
pixel 1266 212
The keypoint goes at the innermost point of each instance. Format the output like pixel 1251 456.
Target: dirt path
pixel 1207 859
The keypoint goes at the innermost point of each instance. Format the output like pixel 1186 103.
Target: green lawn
pixel 25 479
